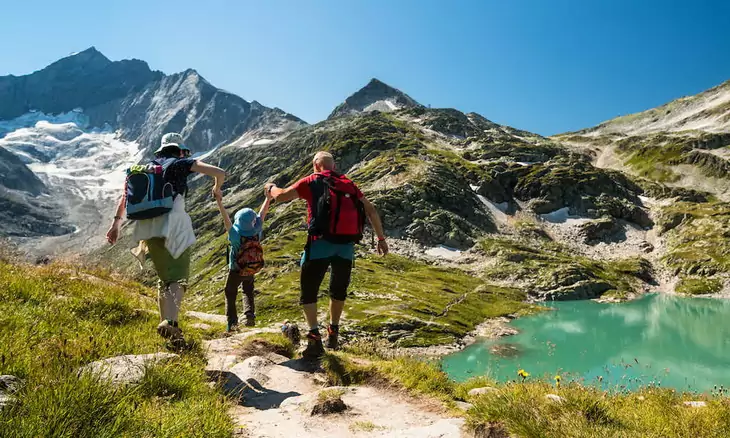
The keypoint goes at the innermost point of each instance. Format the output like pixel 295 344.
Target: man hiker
pixel 154 198
pixel 336 211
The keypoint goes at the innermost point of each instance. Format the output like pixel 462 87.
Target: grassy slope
pixel 54 320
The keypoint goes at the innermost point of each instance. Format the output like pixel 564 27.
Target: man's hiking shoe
pixel 250 322
pixel 168 331
pixel 333 334
pixel 314 349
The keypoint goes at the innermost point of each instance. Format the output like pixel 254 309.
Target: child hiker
pixel 245 259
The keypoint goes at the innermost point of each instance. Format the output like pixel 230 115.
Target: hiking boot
pixel 168 331
pixel 314 349
pixel 333 335
pixel 250 321
pixel 232 328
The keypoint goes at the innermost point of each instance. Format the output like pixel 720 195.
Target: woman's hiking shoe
pixel 167 330
pixel 232 328
pixel 333 334
pixel 250 321
pixel 314 349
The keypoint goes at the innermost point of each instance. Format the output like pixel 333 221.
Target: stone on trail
pixel 201 326
pixel 481 391
pixel 126 369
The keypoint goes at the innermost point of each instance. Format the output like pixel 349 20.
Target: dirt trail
pixel 277 396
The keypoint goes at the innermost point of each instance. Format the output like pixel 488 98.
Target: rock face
pixel 125 369
pixel 83 80
pixel 375 96
pixel 15 175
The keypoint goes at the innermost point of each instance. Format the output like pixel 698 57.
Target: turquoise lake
pixel 670 341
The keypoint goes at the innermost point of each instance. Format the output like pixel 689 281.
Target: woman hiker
pixel 167 237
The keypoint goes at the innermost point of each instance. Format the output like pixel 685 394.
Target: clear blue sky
pixel 546 66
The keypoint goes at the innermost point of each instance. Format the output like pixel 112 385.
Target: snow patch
pixel 562 216
pixel 443 252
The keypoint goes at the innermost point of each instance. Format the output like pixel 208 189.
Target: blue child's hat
pixel 246 223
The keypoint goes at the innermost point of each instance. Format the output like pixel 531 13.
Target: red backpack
pixel 338 214
pixel 250 256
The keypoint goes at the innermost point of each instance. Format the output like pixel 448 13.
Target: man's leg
pixel 313 272
pixel 339 282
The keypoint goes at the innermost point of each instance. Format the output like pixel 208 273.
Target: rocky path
pixel 280 397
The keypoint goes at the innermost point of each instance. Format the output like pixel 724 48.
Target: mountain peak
pixel 375 96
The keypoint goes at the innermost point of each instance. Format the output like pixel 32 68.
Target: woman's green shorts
pixel 169 270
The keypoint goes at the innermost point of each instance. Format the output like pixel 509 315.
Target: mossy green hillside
pixel 697 238
pixel 55 319
pixel 544 268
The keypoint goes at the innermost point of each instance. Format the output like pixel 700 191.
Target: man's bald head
pixel 323 161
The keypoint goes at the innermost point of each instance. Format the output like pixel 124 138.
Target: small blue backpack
pixel 149 194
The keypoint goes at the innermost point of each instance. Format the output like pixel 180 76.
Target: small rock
pixel 10 384
pixel 125 369
pixel 696 404
pixel 463 405
pixel 5 399
pixel 641 398
pixel 481 391
pixel 555 398
pixel 201 326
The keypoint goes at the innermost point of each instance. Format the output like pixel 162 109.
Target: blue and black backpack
pixel 149 193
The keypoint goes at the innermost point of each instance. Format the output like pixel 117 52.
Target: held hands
pixel 267 191
pixel 217 194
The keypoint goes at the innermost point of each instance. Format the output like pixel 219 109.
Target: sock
pixel 315 332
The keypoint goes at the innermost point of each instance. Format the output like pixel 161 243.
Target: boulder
pixel 605 229
pixel 126 369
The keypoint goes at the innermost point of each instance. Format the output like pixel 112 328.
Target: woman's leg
pixel 249 307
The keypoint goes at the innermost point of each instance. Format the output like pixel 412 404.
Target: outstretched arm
pixel 112 235
pixel 282 195
pixel 216 172
pixel 224 213
pixel 264 210
pixel 377 224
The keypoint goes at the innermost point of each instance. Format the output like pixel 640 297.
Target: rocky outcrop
pixel 604 229
pixel 15 175
pixel 581 290
pixel 82 80
pixel 375 96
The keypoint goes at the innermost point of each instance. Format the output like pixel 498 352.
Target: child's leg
pixel 231 293
pixel 248 304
